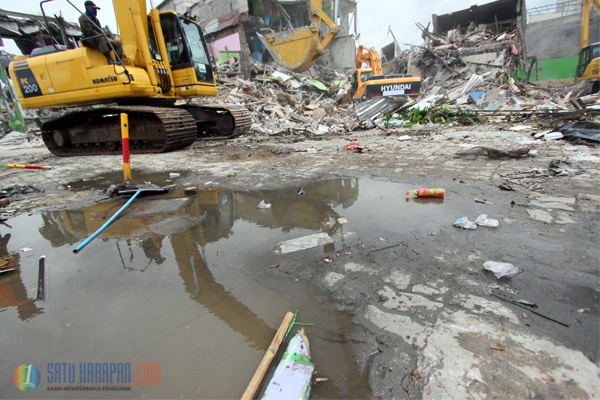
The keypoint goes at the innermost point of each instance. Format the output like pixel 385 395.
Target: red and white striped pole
pixel 125 142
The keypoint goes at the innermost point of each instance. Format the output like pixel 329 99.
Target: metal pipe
pixel 335 10
pixel 107 223
pixel 41 290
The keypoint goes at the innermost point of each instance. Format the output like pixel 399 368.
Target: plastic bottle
pixel 426 192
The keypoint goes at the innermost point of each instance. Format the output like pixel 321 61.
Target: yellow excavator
pixel 370 82
pixel 297 49
pixel 166 59
pixel 588 67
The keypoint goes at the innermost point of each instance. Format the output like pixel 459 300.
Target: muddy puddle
pixel 191 285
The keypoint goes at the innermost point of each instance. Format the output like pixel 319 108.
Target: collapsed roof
pixel 500 14
pixel 29 31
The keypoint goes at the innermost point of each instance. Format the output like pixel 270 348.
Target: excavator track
pixel 98 131
pixel 219 121
pixel 152 129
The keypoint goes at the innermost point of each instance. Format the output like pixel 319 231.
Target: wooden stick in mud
pixel 263 367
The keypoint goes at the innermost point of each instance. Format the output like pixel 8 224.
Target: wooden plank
pixel 264 365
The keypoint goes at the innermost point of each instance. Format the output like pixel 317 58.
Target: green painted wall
pixel 225 56
pixel 563 68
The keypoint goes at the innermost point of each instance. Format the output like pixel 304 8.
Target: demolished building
pixel 538 45
pixel 232 28
pixel 473 41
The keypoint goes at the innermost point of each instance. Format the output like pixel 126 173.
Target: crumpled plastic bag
pixel 501 269
pixel 464 223
pixel 483 220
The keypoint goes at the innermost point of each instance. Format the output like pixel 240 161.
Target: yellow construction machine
pixel 166 58
pixel 370 82
pixel 588 67
pixel 297 49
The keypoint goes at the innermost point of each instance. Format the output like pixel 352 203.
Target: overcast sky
pixel 374 17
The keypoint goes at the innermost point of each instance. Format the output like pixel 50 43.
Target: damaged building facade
pixel 477 40
pixel 233 28
pixel 540 45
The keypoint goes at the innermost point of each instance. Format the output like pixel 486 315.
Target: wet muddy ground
pixel 401 303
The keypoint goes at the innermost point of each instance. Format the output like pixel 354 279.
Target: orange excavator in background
pixel 370 82
pixel 166 59
pixel 588 67
pixel 297 49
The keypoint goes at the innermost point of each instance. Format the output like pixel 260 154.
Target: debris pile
pixel 466 73
pixel 449 61
pixel 476 69
pixel 286 103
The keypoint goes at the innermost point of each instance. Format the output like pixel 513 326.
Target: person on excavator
pixel 93 36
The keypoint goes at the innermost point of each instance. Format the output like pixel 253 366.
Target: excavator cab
pixel 185 47
pixel 588 66
pixel 297 49
pixel 358 79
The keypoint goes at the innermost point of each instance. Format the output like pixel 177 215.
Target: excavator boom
pixel 297 49
pixel 369 56
pixel 585 20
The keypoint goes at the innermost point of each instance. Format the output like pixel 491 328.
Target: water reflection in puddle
pixel 188 281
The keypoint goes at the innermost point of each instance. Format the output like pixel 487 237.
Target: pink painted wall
pixel 229 43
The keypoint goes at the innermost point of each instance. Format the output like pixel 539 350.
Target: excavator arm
pixel 369 56
pixel 585 20
pixel 297 49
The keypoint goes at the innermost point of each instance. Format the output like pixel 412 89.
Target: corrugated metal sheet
pixel 374 107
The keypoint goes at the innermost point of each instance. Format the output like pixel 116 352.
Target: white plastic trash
pixel 464 223
pixel 553 136
pixel 264 205
pixel 483 220
pixel 305 242
pixel 501 269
